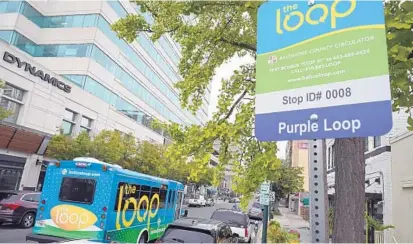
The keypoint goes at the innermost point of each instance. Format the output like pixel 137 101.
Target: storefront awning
pixel 22 139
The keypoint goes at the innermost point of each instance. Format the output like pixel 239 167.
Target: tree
pixel 4 113
pixel 288 180
pixel 211 33
pixel 349 154
pixel 108 146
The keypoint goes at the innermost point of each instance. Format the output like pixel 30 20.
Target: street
pixel 15 234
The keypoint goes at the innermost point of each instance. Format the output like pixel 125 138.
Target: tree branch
pixel 239 44
pixel 234 105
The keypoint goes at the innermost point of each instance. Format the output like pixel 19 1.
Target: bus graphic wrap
pixel 94 200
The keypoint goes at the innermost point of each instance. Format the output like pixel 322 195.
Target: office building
pixel 66 70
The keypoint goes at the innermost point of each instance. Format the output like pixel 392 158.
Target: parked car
pixel 238 221
pixel 198 201
pixel 197 230
pixel 19 207
pixel 255 211
pixel 210 202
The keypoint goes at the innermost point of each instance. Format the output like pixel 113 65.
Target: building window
pixel 85 124
pixel 11 99
pixel 366 144
pixel 377 141
pixel 329 159
pixel 333 153
pixel 68 122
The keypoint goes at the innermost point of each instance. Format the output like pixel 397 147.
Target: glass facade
pixel 121 105
pixel 89 50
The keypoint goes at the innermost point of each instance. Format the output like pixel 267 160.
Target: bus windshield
pixel 77 190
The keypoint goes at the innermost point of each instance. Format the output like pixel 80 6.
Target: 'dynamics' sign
pixel 322 70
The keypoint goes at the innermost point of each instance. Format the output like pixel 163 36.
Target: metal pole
pixel 264 225
pixel 318 192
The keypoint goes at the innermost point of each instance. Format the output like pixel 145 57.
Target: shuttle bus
pixel 86 199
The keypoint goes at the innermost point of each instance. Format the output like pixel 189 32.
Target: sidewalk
pixel 289 220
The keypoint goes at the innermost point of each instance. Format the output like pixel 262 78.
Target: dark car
pixel 18 207
pixel 197 230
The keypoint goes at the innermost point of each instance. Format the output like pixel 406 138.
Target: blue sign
pixel 322 70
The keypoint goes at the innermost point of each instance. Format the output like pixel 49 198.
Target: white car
pixel 238 221
pixel 198 201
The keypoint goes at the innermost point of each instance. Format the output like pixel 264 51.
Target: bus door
pixel 178 206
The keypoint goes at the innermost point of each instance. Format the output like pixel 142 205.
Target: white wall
pixel 402 187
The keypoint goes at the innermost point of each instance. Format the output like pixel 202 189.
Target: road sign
pixel 272 196
pixel 265 188
pixel 264 199
pixel 315 65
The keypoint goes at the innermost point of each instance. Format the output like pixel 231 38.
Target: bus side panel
pixel 70 219
pixel 127 225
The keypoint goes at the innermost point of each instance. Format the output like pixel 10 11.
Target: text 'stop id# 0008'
pixel 322 70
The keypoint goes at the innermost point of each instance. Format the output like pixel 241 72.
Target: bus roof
pixel 120 170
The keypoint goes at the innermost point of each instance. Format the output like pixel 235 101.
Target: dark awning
pixel 23 139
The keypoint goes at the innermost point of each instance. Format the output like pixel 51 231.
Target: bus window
pixel 155 204
pixel 77 190
pixel 162 198
pixel 145 191
pixel 173 196
pixel 129 190
pixel 169 199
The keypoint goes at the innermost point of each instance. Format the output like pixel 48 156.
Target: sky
pixel 225 71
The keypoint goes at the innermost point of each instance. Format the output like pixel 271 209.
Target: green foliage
pixel 376 225
pixel 210 34
pixel 371 222
pixel 399 22
pixel 122 149
pixel 287 180
pixel 4 113
pixel 276 234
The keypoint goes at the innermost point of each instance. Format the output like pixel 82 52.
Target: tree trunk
pixel 349 191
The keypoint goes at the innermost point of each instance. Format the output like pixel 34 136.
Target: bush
pixel 276 234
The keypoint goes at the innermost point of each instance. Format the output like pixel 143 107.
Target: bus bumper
pixel 45 239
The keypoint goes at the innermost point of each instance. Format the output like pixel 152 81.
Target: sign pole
pixel 265 201
pixel 264 224
pixel 318 193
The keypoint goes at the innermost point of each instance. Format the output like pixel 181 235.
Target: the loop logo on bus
pixel 143 203
pixel 289 18
pixel 72 218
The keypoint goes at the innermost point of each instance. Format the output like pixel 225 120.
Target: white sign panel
pixel 272 196
pixel 264 199
pixel 265 188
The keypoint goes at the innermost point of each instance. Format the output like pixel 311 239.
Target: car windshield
pixel 231 218
pixel 173 234
pixel 256 205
